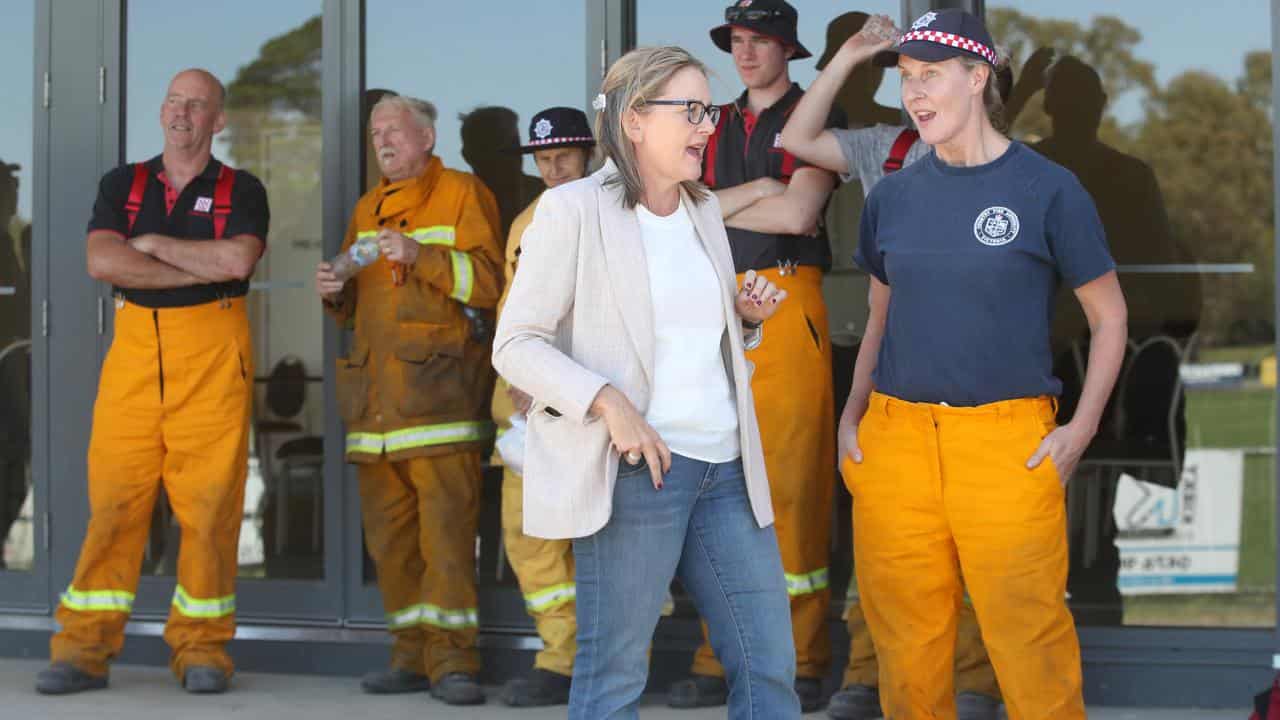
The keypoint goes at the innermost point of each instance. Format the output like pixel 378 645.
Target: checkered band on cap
pixel 557 140
pixel 950 40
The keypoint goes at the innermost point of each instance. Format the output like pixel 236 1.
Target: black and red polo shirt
pixel 746 147
pixel 187 215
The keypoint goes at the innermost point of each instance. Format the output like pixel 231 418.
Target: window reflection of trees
pixel 1208 141
pixel 274 131
pixel 1182 179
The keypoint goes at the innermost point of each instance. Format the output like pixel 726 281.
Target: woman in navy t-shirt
pixel 948 440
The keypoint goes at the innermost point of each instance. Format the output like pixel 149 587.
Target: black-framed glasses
pixel 738 14
pixel 696 109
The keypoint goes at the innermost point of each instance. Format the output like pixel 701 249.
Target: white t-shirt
pixel 692 408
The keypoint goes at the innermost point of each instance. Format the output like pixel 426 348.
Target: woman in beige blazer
pixel 626 326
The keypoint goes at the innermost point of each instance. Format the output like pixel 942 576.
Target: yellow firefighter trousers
pixel 173 407
pixel 944 493
pixel 792 386
pixel 973 668
pixel 544 569
pixel 420 518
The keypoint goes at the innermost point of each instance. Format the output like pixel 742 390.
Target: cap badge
pixel 924 21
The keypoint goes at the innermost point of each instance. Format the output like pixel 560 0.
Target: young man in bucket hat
pixel 772 206
pixel 561 143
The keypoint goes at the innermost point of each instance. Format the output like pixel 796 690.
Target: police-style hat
pixel 941 35
pixel 775 18
pixel 558 127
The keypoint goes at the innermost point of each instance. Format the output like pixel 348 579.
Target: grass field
pixel 1243 418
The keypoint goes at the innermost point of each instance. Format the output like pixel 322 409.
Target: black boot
pixel 458 689
pixel 394 682
pixel 976 706
pixel 698 691
pixel 538 688
pixel 809 690
pixel 63 678
pixel 203 680
pixel 855 702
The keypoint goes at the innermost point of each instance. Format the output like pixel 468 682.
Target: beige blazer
pixel 579 316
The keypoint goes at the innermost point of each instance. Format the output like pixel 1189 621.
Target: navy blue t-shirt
pixel 973 257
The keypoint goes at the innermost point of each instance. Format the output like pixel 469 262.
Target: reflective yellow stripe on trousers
pixel 203 607
pixel 98 600
pixel 552 597
pixel 427 614
pixel 806 583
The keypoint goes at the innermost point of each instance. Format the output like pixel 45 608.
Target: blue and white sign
pixel 1184 539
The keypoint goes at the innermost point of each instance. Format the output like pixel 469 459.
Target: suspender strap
pixel 222 200
pixel 136 191
pixel 898 153
pixel 713 146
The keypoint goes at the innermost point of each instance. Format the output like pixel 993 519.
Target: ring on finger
pixel 634 457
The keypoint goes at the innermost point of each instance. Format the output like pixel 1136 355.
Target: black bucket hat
pixel 558 127
pixel 775 18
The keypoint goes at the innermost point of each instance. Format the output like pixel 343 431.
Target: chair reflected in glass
pixel 291 549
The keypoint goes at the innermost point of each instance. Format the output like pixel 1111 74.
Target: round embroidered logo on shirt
pixel 996 226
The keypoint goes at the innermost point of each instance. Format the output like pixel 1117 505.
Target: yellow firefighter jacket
pixel 417 380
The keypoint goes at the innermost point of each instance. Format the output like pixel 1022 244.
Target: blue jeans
pixel 698 527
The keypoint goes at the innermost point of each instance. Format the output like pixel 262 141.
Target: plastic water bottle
pixel 360 255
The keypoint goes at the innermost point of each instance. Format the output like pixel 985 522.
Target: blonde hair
pixel 635 78
pixel 992 99
pixel 423 112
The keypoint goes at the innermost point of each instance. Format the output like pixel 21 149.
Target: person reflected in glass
pixel 15 365
pixel 1164 314
pixel 488 134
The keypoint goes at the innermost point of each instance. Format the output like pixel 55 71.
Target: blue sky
pixel 17 57
pixel 529 56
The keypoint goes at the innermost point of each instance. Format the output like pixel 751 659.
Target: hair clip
pixel 599 103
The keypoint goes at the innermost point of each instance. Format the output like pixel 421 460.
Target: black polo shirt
pixel 187 215
pixel 746 147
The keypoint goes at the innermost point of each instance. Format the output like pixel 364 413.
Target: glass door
pixel 271 69
pixel 466 71
pixel 23 564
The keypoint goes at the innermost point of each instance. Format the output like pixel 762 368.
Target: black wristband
pixel 751 325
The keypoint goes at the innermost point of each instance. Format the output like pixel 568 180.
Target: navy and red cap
pixel 774 18
pixel 941 35
pixel 558 127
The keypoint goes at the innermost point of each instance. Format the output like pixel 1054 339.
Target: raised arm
pixel 805 134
